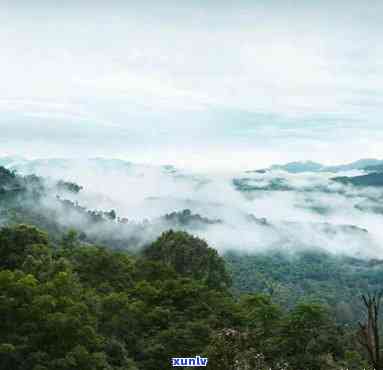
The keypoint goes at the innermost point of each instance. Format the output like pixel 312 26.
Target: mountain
pixel 126 205
pixel 53 205
pixel 298 167
pixel 375 168
pixel 374 179
pixel 247 184
pixel 10 161
pixel 361 164
pixel 309 166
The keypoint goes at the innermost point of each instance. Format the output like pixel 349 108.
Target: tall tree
pixel 190 257
pixel 369 336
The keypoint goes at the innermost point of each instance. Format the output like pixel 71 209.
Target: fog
pixel 309 211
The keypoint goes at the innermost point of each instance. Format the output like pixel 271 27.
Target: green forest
pixel 75 306
pixel 77 300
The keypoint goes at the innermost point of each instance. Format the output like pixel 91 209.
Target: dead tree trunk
pixel 369 336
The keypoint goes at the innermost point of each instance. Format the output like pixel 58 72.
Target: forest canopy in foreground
pixel 80 306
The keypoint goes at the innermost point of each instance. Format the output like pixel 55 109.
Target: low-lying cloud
pixel 303 211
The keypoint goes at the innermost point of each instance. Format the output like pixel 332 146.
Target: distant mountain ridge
pixel 367 164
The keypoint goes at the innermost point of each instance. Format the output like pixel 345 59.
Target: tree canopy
pixel 80 306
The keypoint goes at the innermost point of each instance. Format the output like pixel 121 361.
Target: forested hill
pixel 85 307
pixel 52 205
pixel 371 179
pixel 142 298
pixel 335 281
pixel 38 201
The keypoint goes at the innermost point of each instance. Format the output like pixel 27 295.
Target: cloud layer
pixel 304 211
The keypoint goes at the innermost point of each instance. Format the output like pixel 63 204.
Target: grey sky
pixel 199 83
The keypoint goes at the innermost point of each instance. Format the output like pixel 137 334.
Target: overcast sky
pixel 199 83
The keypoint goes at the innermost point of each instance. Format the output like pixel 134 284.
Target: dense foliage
pixel 79 306
pixel 190 257
pixel 67 303
pixel 334 281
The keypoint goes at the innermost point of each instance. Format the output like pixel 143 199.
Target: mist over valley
pixel 252 211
